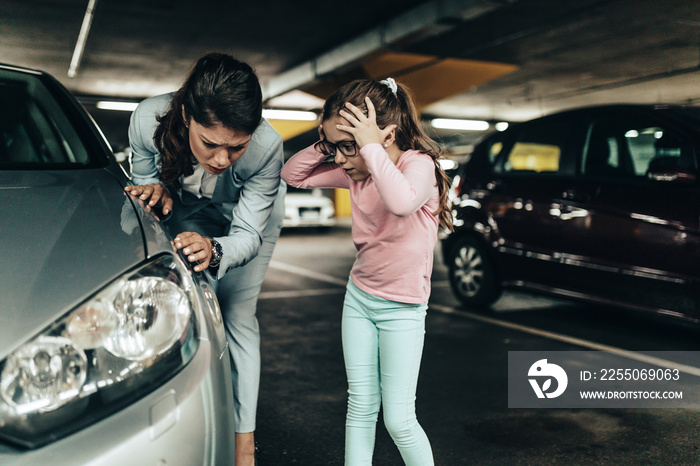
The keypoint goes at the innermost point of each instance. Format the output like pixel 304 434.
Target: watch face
pixel 217 250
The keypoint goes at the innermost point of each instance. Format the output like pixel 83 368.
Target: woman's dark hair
pixel 218 90
pixel 400 110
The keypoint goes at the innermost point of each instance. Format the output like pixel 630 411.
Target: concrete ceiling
pixel 488 59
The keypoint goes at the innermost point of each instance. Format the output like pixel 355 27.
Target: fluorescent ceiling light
pixel 289 115
pixel 122 106
pixel 501 126
pixel 295 99
pixel 82 39
pixel 470 125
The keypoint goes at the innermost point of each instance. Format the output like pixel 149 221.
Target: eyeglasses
pixel 347 148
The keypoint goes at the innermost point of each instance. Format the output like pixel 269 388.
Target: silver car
pixel 112 350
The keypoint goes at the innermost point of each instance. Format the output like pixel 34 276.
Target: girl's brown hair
pixel 400 110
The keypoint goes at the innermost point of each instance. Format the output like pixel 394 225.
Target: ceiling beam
pixel 430 18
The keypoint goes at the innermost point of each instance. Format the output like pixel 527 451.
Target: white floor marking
pixel 489 320
pixel 571 340
pixel 308 273
pixel 298 293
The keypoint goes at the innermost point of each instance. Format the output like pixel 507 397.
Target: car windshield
pixel 35 133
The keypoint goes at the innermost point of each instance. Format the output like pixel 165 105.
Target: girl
pixel 398 196
pixel 206 156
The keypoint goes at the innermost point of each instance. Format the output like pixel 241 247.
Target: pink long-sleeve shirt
pixel 394 227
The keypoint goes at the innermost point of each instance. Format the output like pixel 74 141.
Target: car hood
pixel 62 237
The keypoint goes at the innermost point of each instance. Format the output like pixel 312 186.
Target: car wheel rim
pixel 468 271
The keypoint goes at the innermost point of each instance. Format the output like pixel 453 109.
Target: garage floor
pixel 462 399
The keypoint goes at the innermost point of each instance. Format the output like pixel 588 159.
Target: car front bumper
pixel 187 421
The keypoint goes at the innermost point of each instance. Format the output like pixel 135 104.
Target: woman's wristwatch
pixel 216 253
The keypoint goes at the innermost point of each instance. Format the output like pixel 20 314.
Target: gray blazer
pixel 244 193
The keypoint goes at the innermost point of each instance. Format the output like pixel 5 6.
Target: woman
pixel 206 156
pixel 398 195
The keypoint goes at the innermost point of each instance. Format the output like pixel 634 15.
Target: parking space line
pixel 489 320
pixel 308 273
pixel 298 293
pixel 571 340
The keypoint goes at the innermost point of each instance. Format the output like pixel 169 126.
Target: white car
pixel 308 208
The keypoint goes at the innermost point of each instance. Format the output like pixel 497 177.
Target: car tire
pixel 472 274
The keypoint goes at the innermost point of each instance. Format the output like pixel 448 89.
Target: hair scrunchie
pixel 391 84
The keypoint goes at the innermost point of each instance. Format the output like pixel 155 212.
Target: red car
pixel 600 204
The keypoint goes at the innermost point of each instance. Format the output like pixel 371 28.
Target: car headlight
pixel 124 342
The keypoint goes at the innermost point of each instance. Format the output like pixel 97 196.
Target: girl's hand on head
pixel 152 194
pixel 196 248
pixel 364 127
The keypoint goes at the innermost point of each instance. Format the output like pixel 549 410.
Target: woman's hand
pixel 364 128
pixel 152 194
pixel 196 248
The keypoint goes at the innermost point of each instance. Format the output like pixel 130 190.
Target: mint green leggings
pixel 382 346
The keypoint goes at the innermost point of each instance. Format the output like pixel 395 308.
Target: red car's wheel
pixel 472 274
